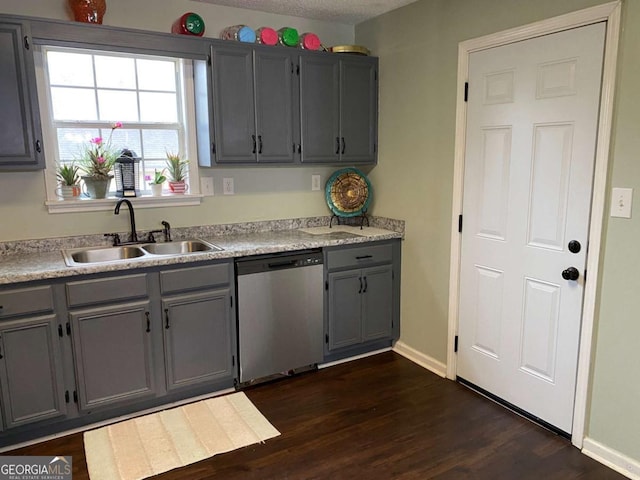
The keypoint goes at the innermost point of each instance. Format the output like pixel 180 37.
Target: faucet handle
pixel 151 238
pixel 116 238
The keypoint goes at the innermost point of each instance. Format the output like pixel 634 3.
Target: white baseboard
pixel 421 359
pixel 613 459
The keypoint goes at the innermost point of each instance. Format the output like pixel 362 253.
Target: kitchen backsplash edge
pixel 57 243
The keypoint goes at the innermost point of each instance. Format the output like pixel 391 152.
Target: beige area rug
pixel 156 443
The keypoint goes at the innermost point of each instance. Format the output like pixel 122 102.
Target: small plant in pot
pixel 177 172
pixel 68 181
pixel 156 182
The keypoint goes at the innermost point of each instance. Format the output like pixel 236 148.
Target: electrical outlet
pixel 206 186
pixel 621 199
pixel 315 182
pixel 227 186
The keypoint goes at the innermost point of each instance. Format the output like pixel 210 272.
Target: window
pixel 88 91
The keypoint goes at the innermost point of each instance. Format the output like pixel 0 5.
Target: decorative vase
pixel 96 187
pixel 178 187
pixel 156 189
pixel 88 11
pixel 68 192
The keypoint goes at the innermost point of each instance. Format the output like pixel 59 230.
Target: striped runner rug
pixel 148 445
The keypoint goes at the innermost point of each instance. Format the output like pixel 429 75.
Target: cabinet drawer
pixel 25 300
pixel 87 292
pixel 194 278
pixel 359 256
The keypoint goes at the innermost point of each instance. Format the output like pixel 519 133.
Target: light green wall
pixel 261 193
pixel 417 46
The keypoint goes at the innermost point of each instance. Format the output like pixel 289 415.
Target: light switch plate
pixel 315 182
pixel 206 186
pixel 621 199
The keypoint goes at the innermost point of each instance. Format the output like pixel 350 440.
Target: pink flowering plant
pixel 98 158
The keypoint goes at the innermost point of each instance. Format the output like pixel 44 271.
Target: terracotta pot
pixel 88 11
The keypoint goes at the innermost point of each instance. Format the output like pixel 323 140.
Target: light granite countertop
pixel 42 259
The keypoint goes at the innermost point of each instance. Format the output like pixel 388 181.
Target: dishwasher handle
pixel 285 264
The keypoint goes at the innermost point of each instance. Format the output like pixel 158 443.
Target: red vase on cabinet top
pixel 88 11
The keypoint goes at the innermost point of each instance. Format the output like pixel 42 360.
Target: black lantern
pixel 127 173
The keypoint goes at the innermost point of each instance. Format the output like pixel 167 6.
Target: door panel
pixel 377 302
pixel 345 290
pixel 530 148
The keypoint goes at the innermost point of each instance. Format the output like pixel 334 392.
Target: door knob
pixel 574 246
pixel 571 273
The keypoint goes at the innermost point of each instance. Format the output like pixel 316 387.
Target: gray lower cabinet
pixel 360 303
pixel 31 365
pixel 113 354
pixel 111 335
pixel 197 323
pixel 197 338
pixel 31 371
pixel 362 295
pixel 339 109
pixel 20 135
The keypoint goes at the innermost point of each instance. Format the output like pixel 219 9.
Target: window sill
pixel 147 201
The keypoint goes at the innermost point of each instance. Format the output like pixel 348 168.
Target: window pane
pixel 72 69
pixel 124 138
pixel 158 107
pixel 73 104
pixel 71 141
pixel 157 75
pixel 115 72
pixel 118 106
pixel 158 142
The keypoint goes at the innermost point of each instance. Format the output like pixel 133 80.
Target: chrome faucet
pixel 133 236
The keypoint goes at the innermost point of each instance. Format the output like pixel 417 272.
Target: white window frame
pixel 56 205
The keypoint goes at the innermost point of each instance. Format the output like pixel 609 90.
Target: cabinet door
pixel 274 106
pixel 234 111
pixel 112 348
pixel 320 108
pixel 197 338
pixel 358 110
pixel 377 302
pixel 31 371
pixel 345 291
pixel 20 137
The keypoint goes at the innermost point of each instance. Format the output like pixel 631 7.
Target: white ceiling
pixel 350 12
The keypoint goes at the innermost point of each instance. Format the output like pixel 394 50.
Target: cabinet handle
pixel 260 144
pixel 344 145
pixel 38 146
pixel 1 356
pixel 166 318
pixel 27 45
pixel 254 143
pixel 148 322
pixel 365 285
pixel 364 257
pixel 337 145
pixel 360 291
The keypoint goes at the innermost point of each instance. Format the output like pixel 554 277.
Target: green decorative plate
pixel 348 192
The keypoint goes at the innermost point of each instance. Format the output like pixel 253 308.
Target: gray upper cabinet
pixel 31 370
pixel 20 134
pixel 252 105
pixel 338 108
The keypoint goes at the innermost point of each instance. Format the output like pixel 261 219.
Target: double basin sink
pixel 92 255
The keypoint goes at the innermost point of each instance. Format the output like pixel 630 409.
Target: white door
pixel 530 149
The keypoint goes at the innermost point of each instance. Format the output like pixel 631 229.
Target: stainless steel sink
pixel 84 256
pixel 180 247
pixel 101 255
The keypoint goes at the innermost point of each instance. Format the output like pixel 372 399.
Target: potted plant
pixel 68 186
pixel 97 161
pixel 156 182
pixel 177 171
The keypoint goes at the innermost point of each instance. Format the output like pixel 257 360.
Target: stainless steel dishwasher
pixel 280 321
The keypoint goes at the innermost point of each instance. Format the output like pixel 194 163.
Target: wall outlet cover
pixel 227 186
pixel 315 182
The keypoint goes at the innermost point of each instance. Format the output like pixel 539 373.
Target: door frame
pixel 609 13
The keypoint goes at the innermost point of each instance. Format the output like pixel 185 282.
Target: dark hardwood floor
pixel 381 417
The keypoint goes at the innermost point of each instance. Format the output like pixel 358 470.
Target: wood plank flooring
pixel 381 417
